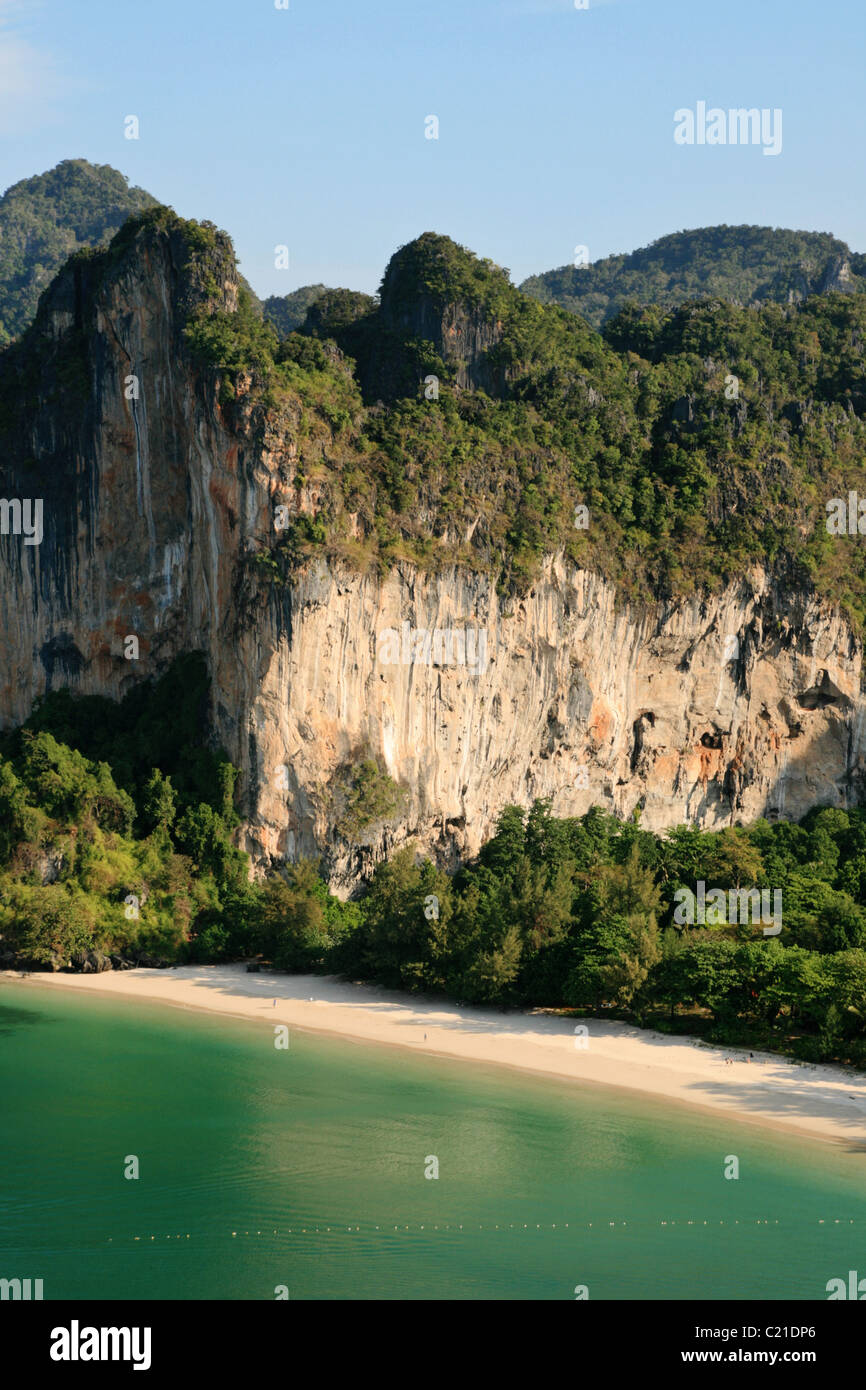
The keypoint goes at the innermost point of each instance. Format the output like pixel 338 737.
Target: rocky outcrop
pixel 90 963
pixel 81 963
pixel 462 337
pixel 156 502
pixel 834 277
pixel 416 307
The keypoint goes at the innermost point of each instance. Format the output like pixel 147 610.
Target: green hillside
pixel 745 265
pixel 43 220
pixel 288 311
pixel 701 439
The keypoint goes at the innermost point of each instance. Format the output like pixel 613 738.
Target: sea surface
pixel 303 1171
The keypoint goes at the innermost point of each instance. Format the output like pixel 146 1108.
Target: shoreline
pixel 817 1101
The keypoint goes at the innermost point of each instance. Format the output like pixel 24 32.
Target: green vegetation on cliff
pixel 744 265
pixel 44 219
pixel 456 420
pixel 702 440
pixel 51 370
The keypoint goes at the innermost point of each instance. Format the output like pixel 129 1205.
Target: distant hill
pixel 288 311
pixel 744 265
pixel 44 219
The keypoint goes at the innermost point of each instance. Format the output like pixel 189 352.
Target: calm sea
pixel 304 1169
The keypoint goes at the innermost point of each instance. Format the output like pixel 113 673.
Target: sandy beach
pixel 822 1101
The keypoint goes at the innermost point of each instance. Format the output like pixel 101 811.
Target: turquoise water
pixel 305 1168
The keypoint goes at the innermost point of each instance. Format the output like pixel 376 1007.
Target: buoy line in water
pixel 426 1227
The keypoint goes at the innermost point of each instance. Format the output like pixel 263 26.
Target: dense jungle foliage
pixel 116 841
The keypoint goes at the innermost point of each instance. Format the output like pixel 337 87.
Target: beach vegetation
pixel 117 826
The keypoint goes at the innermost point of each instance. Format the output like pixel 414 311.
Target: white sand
pixel 823 1101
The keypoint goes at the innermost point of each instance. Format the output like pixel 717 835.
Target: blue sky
pixel 305 127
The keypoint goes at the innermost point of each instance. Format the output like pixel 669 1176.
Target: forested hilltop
pixel 288 311
pixel 44 219
pixel 116 848
pixel 744 265
pixel 456 420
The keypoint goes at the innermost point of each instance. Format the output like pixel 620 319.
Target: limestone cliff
pixel 717 711
pixel 158 492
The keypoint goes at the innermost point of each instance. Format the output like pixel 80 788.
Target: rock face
pixel 417 306
pixel 719 711
pixel 90 963
pixel 713 711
